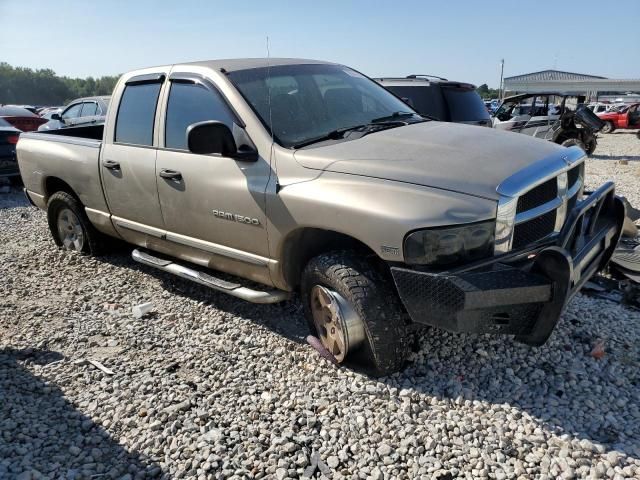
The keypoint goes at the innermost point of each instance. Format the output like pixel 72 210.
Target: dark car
pixel 8 139
pixel 21 118
pixel 440 98
pixel 83 111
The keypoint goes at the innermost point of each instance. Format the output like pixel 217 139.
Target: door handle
pixel 111 164
pixel 171 174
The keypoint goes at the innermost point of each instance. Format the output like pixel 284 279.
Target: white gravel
pixel 211 387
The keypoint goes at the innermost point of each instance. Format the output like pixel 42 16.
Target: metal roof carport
pixel 589 87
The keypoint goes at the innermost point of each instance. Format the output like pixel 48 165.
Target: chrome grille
pixel 534 202
pixel 543 193
pixel 533 230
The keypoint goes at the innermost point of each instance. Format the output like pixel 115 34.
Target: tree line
pixel 26 86
pixel 487 93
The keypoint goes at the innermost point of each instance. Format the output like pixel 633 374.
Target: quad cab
pixel 566 123
pixel 303 176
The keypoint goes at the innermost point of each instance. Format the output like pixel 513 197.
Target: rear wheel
pixel 355 312
pixel 70 227
pixel 608 127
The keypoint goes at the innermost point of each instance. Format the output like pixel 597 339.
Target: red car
pixel 625 117
pixel 21 118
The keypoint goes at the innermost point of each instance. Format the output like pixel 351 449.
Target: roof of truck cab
pixel 234 64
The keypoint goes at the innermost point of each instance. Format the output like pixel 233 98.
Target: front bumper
pixel 523 292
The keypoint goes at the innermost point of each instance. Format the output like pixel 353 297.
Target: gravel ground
pixel 212 387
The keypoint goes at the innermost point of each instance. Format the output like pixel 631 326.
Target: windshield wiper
pixel 332 135
pixel 394 116
pixel 375 125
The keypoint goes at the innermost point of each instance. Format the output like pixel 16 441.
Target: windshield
pixel 4 123
pixel 310 101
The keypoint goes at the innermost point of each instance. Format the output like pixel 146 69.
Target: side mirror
pixel 56 116
pixel 213 137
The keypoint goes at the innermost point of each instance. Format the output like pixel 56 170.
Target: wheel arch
pixel 304 243
pixel 54 184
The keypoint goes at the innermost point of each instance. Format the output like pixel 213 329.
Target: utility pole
pixel 501 89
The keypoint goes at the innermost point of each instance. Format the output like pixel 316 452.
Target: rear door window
pixel 426 99
pixel 191 103
pixel 89 109
pixel 136 114
pixel 465 105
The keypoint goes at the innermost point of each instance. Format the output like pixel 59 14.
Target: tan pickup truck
pixel 309 176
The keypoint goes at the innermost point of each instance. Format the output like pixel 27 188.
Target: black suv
pixel 440 98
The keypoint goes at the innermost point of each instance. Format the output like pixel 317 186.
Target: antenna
pixel 269 88
pixel 273 163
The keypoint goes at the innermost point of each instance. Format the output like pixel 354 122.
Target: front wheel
pixel 355 312
pixel 570 142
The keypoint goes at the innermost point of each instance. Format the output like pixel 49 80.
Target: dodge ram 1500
pixel 308 176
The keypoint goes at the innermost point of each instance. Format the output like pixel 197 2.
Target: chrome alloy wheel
pixel 70 230
pixel 338 325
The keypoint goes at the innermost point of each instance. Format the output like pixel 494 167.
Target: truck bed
pixel 69 155
pixel 92 132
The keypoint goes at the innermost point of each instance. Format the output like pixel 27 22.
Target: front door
pixel 128 162
pixel 632 118
pixel 209 202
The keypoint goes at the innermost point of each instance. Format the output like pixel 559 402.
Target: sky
pixel 462 40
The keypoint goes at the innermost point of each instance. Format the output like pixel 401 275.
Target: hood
pixel 447 156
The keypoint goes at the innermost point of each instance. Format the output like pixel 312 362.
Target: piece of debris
pixel 324 353
pixel 95 363
pixel 625 261
pixel 179 407
pixel 598 349
pixel 101 367
pixel 141 310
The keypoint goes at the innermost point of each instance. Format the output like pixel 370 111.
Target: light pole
pixel 501 89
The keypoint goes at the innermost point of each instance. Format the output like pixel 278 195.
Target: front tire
pixel 355 312
pixel 70 227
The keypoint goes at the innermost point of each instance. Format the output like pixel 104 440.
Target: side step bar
pixel 234 289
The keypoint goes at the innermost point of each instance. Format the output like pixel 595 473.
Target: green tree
pixel 487 93
pixel 20 85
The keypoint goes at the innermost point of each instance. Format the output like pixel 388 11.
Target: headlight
pixel 450 245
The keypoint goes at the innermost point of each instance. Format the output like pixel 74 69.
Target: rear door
pixel 89 113
pixel 128 162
